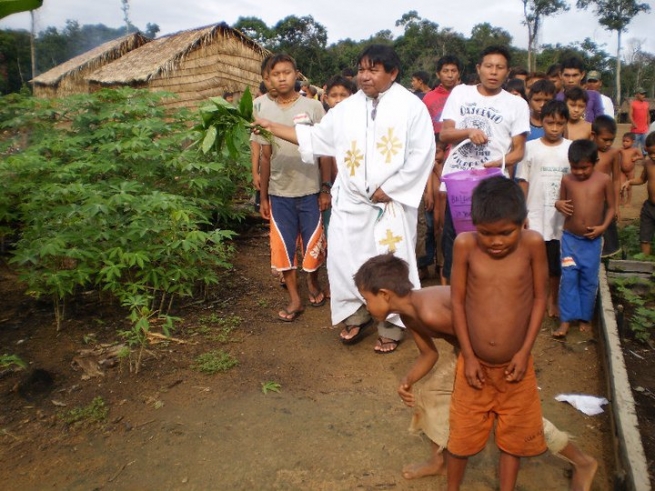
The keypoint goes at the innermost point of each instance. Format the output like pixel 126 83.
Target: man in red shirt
pixel 449 70
pixel 639 116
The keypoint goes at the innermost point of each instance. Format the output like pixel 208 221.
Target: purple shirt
pixel 594 105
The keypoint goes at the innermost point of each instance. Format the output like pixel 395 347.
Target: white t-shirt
pixel 501 117
pixel 543 167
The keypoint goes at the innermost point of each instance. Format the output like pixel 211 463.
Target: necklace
pixel 294 98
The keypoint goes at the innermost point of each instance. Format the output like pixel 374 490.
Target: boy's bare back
pixel 433 313
pixel 587 199
pixel 500 294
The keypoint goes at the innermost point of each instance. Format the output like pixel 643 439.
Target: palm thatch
pixel 69 77
pixel 194 64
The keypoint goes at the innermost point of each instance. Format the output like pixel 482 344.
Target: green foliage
pixel 7 361
pixel 104 196
pixel 214 362
pixel 270 387
pixel 95 412
pixel 639 294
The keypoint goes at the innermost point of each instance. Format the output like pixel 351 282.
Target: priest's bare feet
pixel 583 474
pixel 434 466
pixel 585 327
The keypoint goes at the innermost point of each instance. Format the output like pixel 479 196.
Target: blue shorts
pixel 296 221
pixel 579 282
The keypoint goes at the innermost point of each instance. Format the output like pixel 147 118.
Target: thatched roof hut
pixel 69 77
pixel 194 64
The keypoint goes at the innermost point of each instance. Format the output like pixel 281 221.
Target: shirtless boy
pixel 383 281
pixel 576 99
pixel 603 132
pixel 587 202
pixel 647 215
pixel 629 156
pixel 498 292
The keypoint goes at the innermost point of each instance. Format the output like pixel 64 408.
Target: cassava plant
pixel 103 194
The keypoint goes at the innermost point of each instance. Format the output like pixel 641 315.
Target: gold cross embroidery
pixel 390 240
pixel 389 145
pixel 353 158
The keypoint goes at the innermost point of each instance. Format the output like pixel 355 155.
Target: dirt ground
pixel 336 424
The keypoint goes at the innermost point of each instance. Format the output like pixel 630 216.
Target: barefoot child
pixel 498 292
pixel 587 202
pixel 383 281
pixel 540 175
pixel 576 100
pixel 647 215
pixel 603 132
pixel 629 156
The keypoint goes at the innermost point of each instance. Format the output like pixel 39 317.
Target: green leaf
pixel 245 105
pixel 210 138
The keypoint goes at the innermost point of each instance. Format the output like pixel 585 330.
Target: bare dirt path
pixel 336 424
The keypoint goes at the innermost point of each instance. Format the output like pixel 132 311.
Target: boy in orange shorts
pixel 495 381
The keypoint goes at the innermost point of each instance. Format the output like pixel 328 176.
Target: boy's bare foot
pixel 583 474
pixel 434 466
pixel 553 311
pixel 562 331
pixel 585 327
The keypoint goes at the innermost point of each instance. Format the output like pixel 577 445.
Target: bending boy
pixel 384 283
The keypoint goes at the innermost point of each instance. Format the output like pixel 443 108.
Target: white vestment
pixel 393 151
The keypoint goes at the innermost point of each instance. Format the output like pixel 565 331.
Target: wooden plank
pixel 631 266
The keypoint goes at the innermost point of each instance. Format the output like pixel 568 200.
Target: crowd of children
pixel 540 233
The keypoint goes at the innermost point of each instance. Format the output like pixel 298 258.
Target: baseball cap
pixel 640 90
pixel 593 75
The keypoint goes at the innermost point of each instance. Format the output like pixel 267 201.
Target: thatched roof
pixel 92 59
pixel 165 54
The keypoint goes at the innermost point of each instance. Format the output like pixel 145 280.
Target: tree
pixel 305 40
pixel 255 28
pixel 615 15
pixel 151 30
pixel 534 11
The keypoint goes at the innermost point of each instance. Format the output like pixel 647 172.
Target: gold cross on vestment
pixel 390 240
pixel 389 145
pixel 353 158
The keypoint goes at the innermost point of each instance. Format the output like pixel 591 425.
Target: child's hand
pixel 626 185
pixel 265 209
pixel 405 393
pixel 473 373
pixel 515 371
pixel 564 206
pixel 594 232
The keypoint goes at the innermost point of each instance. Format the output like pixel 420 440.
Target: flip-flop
pixel 313 299
pixel 291 315
pixel 382 343
pixel 357 337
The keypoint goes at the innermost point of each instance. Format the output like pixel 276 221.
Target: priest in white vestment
pixel 383 141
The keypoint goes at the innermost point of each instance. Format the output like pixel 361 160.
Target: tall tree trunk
pixel 32 49
pixel 618 69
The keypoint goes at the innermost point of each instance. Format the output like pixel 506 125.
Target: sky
pixel 342 18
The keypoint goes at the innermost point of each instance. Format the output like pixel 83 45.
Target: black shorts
pixel 647 222
pixel 553 255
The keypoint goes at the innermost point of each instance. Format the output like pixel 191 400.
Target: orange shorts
pixel 515 406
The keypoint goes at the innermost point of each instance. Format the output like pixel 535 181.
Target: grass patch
pixel 214 362
pixel 95 412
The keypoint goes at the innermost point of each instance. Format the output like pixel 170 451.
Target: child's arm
pixel 517 366
pixel 563 204
pixel 427 358
pixel 637 181
pixel 462 247
pixel 598 230
pixel 514 156
pixel 264 176
pixel 255 149
pixel 429 193
pixel 616 180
